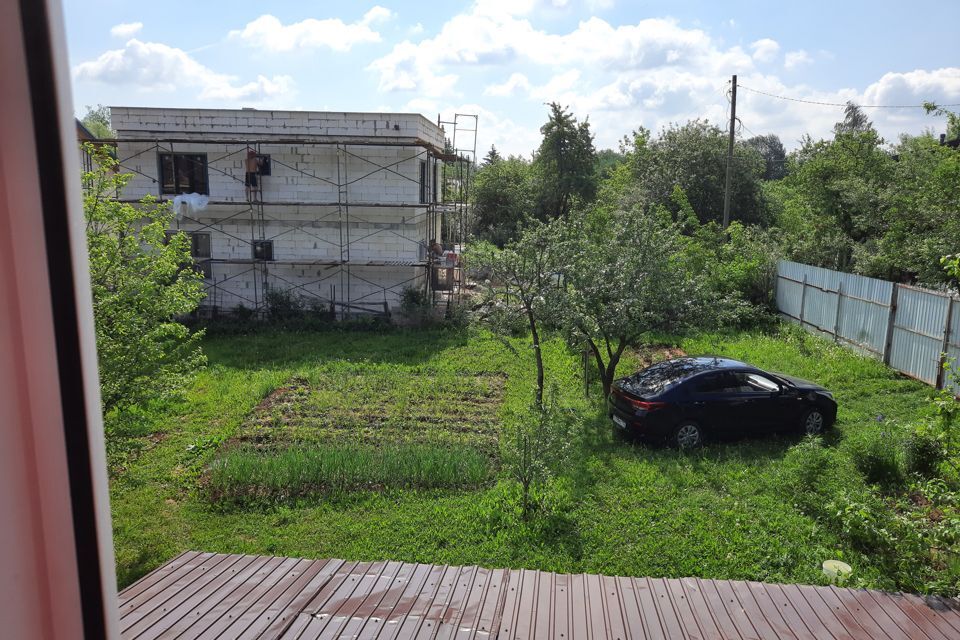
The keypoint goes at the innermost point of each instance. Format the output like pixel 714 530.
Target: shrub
pixel 415 305
pixel 812 475
pixel 535 447
pixel 283 305
pixel 876 454
pixel 922 451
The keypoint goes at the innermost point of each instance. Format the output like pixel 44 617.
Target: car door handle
pixel 699 403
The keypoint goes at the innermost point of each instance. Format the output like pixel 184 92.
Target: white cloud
pixel 267 32
pixel 795 59
pixel 765 49
pixel 915 87
pixel 510 137
pixel 482 37
pixel 126 29
pixel 404 70
pixel 514 82
pixel 599 5
pixel 651 73
pixel 154 66
pixel 557 87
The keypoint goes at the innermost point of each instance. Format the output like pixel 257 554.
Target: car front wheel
pixel 813 422
pixel 688 435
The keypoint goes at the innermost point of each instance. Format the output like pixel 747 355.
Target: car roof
pixel 702 364
pixel 660 377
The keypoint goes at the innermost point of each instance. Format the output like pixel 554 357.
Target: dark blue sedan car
pixel 685 401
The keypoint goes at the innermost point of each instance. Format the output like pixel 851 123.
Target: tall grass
pixel 245 474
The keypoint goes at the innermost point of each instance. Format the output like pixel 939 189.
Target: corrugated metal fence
pixel 911 329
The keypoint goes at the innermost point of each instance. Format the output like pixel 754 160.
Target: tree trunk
pixel 539 357
pixel 609 371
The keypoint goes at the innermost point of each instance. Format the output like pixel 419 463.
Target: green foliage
pixel 415 304
pixel 142 282
pixel 97 122
pixel 923 451
pixel 616 291
pixel 244 476
pixel 774 155
pixel 536 444
pixel 736 269
pixel 951 266
pixel 812 475
pixel 503 195
pixel 493 156
pixel 694 156
pixel 850 204
pixel 283 305
pixel 565 164
pixel 523 283
pixel 876 454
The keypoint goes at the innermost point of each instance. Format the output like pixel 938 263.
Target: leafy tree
pixel 503 195
pixel 607 161
pixel 918 219
pixel 522 284
pixel 774 155
pixel 838 188
pixel 694 156
pixel 493 156
pixel 617 291
pixel 97 122
pixel 565 164
pixel 854 121
pixel 141 281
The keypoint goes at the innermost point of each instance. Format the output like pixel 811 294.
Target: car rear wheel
pixel 813 422
pixel 688 435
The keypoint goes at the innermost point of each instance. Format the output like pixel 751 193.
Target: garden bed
pixel 362 430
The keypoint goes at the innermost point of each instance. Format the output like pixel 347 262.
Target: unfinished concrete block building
pixel 343 210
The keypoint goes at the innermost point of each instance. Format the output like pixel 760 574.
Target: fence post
pixel 942 360
pixel 836 319
pixel 891 321
pixel 803 296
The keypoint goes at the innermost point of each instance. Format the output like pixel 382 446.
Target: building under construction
pixel 341 210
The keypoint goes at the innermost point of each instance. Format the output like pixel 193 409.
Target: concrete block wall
pixel 313 233
pixel 232 285
pixel 147 122
pixel 300 215
pixel 302 173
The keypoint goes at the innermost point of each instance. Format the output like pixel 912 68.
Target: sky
pixel 622 64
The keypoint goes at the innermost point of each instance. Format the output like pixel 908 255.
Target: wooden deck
pixel 205 595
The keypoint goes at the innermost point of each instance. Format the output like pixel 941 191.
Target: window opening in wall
pixel 263 249
pixel 200 245
pixel 183 173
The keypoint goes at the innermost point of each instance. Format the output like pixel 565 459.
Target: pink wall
pixel 39 586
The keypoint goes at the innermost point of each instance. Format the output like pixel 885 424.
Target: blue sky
pixel 623 64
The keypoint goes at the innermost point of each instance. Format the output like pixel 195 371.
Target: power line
pixel 843 104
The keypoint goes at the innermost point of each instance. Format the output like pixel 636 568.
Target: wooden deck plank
pixel 249 594
pixel 183 587
pixel 203 596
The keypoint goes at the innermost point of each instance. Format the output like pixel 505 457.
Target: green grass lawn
pixel 624 509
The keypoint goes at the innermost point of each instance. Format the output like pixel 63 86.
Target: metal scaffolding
pixel 441 274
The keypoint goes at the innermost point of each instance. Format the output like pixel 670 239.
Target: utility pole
pixel 733 123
